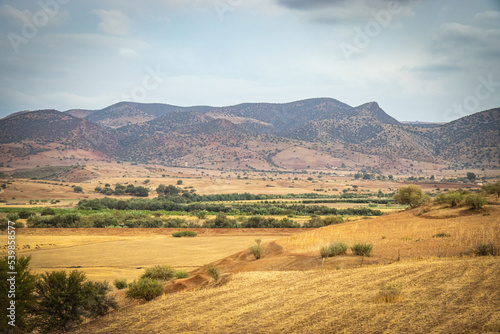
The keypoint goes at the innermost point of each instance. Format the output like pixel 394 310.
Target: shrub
pixel 202 214
pixel 337 248
pixel 453 198
pixel 214 271
pixel 441 235
pixel 484 249
pixel 120 283
pixel 25 214
pixel 411 195
pixel 492 188
pixel 362 249
pixel 390 293
pixel 475 201
pixel 257 250
pixel 12 217
pixel 324 251
pixel 4 224
pixel 184 234
pixel 181 274
pixel 99 303
pixel 160 272
pixel 48 211
pixel 145 289
pixel 77 189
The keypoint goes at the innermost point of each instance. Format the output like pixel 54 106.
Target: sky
pixel 420 60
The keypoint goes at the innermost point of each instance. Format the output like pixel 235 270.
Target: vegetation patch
pixel 181 234
pixel 389 293
pixel 145 289
pixel 214 272
pixel 441 235
pixel 362 249
pixel 120 283
pixel 257 249
pixel 160 272
pixel 334 249
pixel 484 249
pixel 181 274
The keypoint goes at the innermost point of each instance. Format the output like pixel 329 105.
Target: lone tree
pixel 411 195
pixel 471 176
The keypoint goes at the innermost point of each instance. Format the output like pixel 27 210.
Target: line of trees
pixel 179 195
pixel 161 203
pixel 120 189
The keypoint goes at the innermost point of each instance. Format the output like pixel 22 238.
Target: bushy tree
pixel 411 195
pixel 24 293
pixel 64 300
pixel 475 201
pixel 471 176
pixel 145 288
pixel 453 198
pixel 492 188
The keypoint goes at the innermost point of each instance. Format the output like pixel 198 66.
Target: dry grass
pixel 106 254
pixel 440 296
pixel 407 232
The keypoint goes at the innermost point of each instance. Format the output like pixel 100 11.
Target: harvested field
pixel 438 296
pixel 106 254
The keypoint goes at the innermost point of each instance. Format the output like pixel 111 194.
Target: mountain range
pixel 320 133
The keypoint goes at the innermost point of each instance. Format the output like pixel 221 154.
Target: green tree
pixel 411 195
pixel 475 201
pixel 65 300
pixel 77 189
pixel 62 299
pixel 492 188
pixel 24 296
pixel 471 176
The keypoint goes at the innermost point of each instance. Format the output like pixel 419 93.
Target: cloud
pixel 113 22
pixel 37 18
pixel 338 11
pixel 128 52
pixel 487 15
pixel 466 43
pixel 310 4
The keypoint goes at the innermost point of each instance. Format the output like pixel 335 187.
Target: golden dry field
pixel 108 254
pixel 437 296
pixel 287 291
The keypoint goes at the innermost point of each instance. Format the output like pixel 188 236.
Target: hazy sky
pixel 420 60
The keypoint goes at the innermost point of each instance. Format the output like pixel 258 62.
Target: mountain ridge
pixel 255 135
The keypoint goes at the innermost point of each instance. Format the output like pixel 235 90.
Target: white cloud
pixel 487 15
pixel 128 52
pixel 41 17
pixel 114 22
